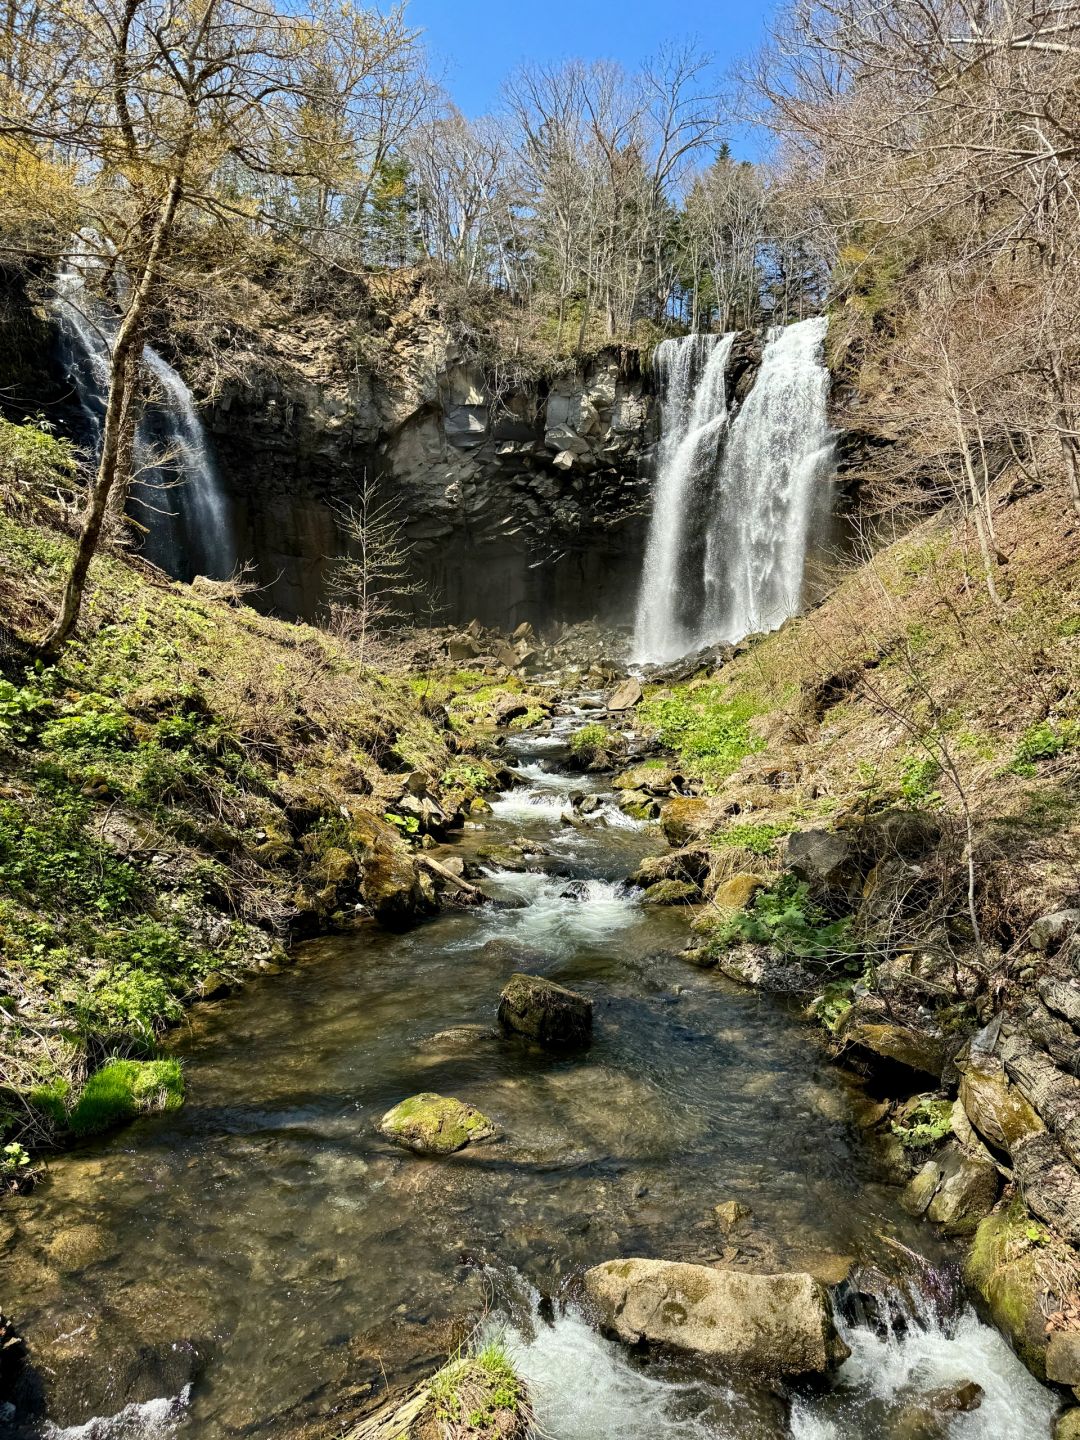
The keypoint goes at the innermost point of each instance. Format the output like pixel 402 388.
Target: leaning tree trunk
pixel 116 435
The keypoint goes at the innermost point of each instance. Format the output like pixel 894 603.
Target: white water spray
pixel 177 492
pixel 755 489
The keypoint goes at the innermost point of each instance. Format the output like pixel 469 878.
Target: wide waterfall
pixel 176 494
pixel 751 490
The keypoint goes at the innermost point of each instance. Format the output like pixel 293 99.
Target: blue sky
pixel 475 43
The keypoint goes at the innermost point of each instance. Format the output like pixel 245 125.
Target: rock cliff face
pixel 524 502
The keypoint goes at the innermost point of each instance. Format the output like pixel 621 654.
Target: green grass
pixel 123 1089
pixel 477 1390
pixel 709 732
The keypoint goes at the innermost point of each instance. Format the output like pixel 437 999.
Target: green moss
pixel 1017 1271
pixel 436 1124
pixel 123 1089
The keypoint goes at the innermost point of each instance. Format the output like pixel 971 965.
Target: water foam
pixel 889 1371
pixel 152 1420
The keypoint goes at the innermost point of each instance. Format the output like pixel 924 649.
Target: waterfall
pixel 691 380
pixel 177 492
pixel 737 504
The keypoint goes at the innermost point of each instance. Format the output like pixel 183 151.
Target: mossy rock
pixel 123 1089
pixel 736 893
pixel 652 778
pixel 672 892
pixel 545 1012
pixel 78 1246
pixel 1016 1265
pixel 434 1124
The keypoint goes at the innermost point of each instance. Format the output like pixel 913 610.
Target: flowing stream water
pixel 177 494
pixel 253 1263
pixel 738 503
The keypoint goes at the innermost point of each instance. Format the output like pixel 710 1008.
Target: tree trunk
pixel 119 418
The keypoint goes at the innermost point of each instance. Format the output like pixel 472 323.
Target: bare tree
pixel 373 586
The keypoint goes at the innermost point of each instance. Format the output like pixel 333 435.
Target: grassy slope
pixel 190 778
pixel 907 684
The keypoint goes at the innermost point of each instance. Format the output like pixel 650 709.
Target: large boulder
pixel 765 1325
pixel 434 1124
pixel 826 860
pixel 545 1012
pixel 966 1192
pixel 1063 1358
pixel 737 891
pixel 895 1044
pixel 1022 1271
pixel 626 695
pixel 995 1108
pixel 691 819
pixel 690 865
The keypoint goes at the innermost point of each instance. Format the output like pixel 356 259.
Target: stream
pixel 255 1262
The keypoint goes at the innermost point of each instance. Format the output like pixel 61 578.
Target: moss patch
pixel 435 1124
pixel 123 1089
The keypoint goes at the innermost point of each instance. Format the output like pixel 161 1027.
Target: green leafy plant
pixel 784 917
pixel 758 839
pixel 928 1123
pixel 1044 741
pixel 13 1158
pixel 918 775
pixel 710 733
pixel 407 824
pixel 21 706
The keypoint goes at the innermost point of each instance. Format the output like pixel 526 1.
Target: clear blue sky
pixel 475 43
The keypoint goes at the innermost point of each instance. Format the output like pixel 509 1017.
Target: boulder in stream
pixel 546 1012
pixel 434 1124
pixel 763 1325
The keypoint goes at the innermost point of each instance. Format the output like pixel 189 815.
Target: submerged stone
pixel 434 1124
pixel 764 1325
pixel 545 1012
pixel 729 1212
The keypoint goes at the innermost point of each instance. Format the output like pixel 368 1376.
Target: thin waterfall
pixel 690 374
pixel 177 493
pixel 738 502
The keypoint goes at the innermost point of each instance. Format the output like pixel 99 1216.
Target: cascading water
pixel 737 505
pixel 691 374
pixel 177 493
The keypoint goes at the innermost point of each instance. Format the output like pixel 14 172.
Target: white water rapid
pixel 738 502
pixel 177 493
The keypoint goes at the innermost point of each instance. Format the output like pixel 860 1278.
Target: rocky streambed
pixel 265 1260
